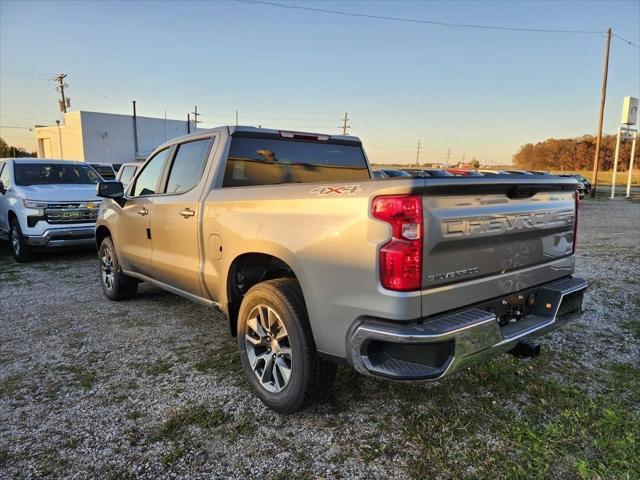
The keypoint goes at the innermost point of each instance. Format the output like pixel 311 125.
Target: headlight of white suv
pixel 34 204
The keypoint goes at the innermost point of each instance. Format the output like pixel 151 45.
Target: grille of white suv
pixel 71 212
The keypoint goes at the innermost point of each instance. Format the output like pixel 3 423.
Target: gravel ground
pixel 152 387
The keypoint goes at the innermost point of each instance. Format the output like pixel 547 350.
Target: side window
pixel 4 175
pixel 187 166
pixel 147 181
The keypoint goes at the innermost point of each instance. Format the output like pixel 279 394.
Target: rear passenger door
pixel 175 227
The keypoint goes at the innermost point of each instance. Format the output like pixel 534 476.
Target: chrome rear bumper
pixel 436 347
pixel 63 237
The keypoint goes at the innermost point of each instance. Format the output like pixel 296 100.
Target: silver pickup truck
pixel 315 263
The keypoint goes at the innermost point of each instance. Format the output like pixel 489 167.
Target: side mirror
pixel 2 189
pixel 111 189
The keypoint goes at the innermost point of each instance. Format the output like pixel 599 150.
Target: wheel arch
pixel 245 271
pixel 102 232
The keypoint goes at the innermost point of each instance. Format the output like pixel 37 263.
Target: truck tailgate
pixel 493 228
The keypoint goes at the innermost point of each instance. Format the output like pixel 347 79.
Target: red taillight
pixel 576 196
pixel 401 257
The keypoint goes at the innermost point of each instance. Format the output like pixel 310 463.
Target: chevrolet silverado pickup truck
pixel 47 204
pixel 315 263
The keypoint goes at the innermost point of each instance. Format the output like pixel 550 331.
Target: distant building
pixel 105 137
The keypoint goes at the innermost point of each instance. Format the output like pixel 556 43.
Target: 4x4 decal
pixel 327 190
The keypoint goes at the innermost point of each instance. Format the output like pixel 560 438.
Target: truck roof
pixel 231 129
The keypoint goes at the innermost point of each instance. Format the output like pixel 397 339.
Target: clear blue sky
pixel 481 92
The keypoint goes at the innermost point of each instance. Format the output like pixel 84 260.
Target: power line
pixel 625 40
pixel 417 20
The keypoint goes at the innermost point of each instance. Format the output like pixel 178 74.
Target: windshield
pixel 54 173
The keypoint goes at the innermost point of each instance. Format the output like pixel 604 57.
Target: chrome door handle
pixel 143 211
pixel 187 212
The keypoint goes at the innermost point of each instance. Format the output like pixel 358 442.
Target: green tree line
pixel 7 151
pixel 572 154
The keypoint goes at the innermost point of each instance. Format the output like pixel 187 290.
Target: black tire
pixel 310 377
pixel 19 248
pixel 115 284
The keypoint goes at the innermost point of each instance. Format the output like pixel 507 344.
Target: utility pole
pixel 60 88
pixel 188 124
pixel 418 150
pixel 236 118
pixel 448 156
pixel 345 127
pixel 135 131
pixel 195 117
pixel 603 96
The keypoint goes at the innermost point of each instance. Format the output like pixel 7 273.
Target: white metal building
pixel 105 137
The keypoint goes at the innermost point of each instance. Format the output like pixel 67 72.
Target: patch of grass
pixel 158 367
pixel 199 415
pixel 133 435
pixel 173 456
pixel 220 360
pixel 11 383
pixel 82 376
pixel 71 442
pixel 522 425
pixel 633 325
pixel 374 449
pixel 134 414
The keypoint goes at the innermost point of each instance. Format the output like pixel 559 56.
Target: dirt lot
pixel 152 387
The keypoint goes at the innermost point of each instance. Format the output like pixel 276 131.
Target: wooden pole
pixel 603 96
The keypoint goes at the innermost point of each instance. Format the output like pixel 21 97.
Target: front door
pixel 175 223
pixel 133 242
pixel 4 201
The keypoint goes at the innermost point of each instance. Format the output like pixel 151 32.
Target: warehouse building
pixel 105 137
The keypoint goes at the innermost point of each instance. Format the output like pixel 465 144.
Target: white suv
pixel 47 204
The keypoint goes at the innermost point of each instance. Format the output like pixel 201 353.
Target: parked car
pixel 105 170
pixel 47 204
pixel 586 184
pixel 461 172
pixel 427 172
pixel 127 172
pixel 437 172
pixel 393 172
pixel 493 173
pixel 518 172
pixel 314 263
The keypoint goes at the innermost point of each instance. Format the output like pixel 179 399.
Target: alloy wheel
pixel 268 348
pixel 106 267
pixel 15 241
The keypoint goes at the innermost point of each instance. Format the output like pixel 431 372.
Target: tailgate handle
pixel 518 191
